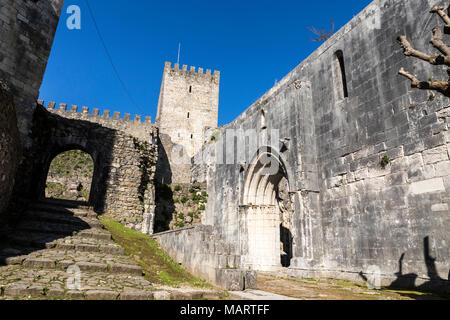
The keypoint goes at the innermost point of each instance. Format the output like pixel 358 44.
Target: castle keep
pixel 350 176
pixel 188 106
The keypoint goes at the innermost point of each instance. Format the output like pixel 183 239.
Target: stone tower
pixel 188 105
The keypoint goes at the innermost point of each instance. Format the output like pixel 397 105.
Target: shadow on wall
pixel 163 174
pixel 286 249
pixel 165 207
pixel 408 281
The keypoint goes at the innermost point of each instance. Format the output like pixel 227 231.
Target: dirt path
pixel 312 289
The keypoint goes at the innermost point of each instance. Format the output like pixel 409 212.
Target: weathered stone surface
pixel 362 175
pixel 39 263
pixel 136 295
pixel 92 267
pixel 188 105
pixel 161 295
pixel 9 144
pixel 101 295
pixel 124 268
pixel 74 273
pixel 16 290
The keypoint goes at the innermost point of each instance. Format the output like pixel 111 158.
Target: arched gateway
pixel 266 213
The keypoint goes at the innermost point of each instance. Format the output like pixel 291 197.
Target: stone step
pixel 51 263
pixel 84 211
pixel 86 247
pixel 64 203
pixel 86 241
pixel 63 218
pixel 35 240
pixel 51 228
pixel 53 283
pixel 94 234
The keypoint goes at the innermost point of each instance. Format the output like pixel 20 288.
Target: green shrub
pixel 202 207
pixel 385 161
pixel 177 188
pixel 184 200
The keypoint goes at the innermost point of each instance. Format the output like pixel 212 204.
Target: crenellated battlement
pixel 116 115
pixel 192 70
pixel 135 127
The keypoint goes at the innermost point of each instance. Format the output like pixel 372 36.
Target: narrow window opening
pixel 190 89
pixel 339 76
pixel 192 136
pixel 188 115
pixel 262 120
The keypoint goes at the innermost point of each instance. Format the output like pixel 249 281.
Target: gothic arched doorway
pixel 266 213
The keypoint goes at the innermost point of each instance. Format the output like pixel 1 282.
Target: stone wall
pixel 350 211
pixel 26 33
pixel 10 147
pixel 27 29
pixel 124 166
pixel 204 253
pixel 179 206
pixel 136 127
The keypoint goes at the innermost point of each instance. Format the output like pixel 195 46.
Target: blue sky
pixel 252 43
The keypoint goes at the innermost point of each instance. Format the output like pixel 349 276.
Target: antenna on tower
pixel 179 50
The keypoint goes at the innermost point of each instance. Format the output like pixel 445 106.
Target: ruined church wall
pixel 371 215
pixel 350 213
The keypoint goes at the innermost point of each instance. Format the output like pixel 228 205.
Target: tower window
pixel 192 136
pixel 339 77
pixel 190 89
pixel 188 115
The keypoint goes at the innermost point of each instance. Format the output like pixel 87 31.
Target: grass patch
pixel 158 267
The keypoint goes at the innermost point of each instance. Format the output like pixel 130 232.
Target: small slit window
pixel 262 120
pixel 339 77
pixel 190 89
pixel 189 115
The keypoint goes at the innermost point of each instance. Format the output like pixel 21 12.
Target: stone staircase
pixel 61 250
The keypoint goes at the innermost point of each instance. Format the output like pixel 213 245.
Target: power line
pixel 111 60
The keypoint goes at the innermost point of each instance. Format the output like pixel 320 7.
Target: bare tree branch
pixel 440 11
pixel 323 34
pixel 440 86
pixel 435 59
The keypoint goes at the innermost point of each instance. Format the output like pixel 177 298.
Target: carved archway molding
pixel 260 223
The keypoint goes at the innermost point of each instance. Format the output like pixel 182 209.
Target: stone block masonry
pixel 203 251
pixel 188 106
pixel 124 166
pixel 138 128
pixel 10 148
pixel 366 158
pixel 27 29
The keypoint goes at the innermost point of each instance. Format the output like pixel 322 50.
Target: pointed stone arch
pixel 263 227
